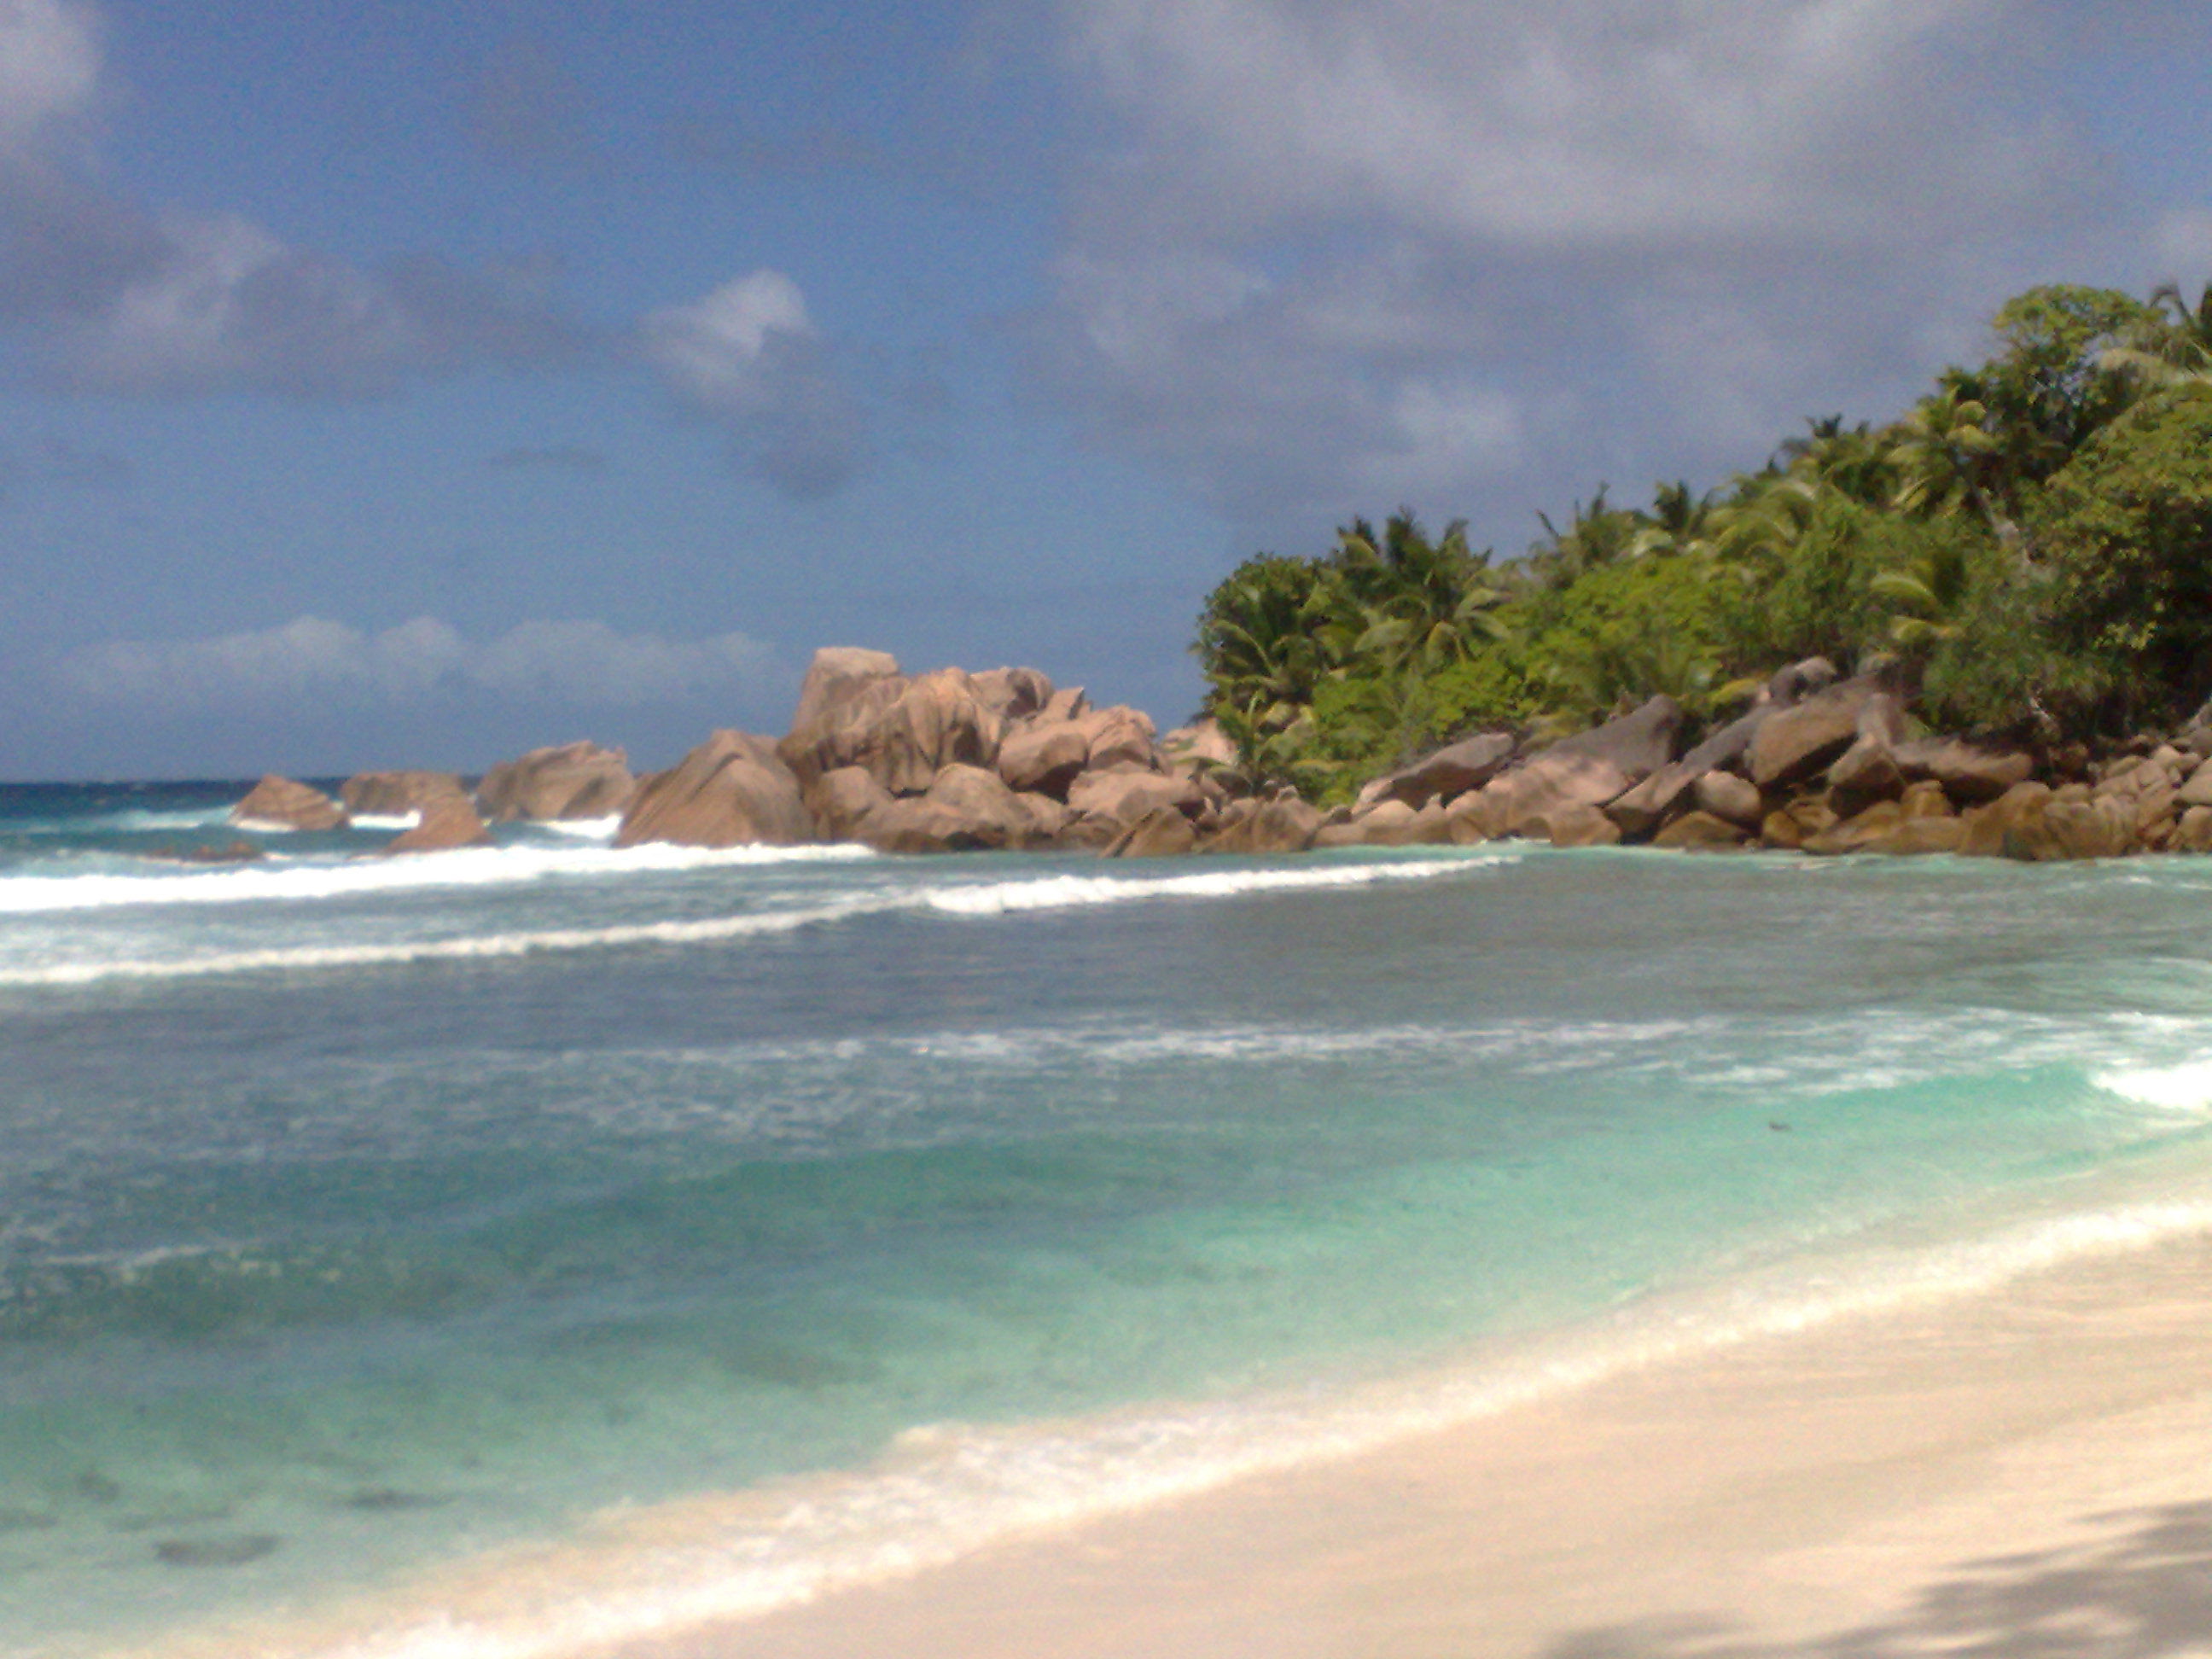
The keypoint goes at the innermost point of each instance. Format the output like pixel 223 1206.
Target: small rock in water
pixel 379 1499
pixel 232 1552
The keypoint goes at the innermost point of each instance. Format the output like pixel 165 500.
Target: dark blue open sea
pixel 496 1252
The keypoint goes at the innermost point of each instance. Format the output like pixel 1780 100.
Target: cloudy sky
pixel 415 383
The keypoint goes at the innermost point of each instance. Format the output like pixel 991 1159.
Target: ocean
pixel 499 1252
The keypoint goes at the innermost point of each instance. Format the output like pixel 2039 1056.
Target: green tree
pixel 2125 534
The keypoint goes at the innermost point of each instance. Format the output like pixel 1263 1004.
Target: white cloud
pixel 748 358
pixel 1569 123
pixel 113 298
pixel 49 67
pixel 312 661
pixel 1326 251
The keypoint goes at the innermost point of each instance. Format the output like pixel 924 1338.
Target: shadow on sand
pixel 2141 1588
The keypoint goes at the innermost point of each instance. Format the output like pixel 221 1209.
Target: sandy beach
pixel 2025 1471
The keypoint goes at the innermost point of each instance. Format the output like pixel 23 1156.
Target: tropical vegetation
pixel 2028 550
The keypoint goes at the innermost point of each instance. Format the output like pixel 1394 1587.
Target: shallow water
pixel 726 1225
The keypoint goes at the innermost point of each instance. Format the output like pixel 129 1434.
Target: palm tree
pixel 2173 346
pixel 1942 454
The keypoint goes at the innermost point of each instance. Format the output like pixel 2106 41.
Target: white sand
pixel 2026 1472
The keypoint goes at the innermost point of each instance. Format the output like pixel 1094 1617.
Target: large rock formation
pixel 732 790
pixel 839 675
pixel 1448 773
pixel 1044 756
pixel 1701 831
pixel 1118 735
pixel 1285 824
pixel 842 800
pixel 1200 747
pixel 1801 741
pixel 383 794
pixel 965 809
pixel 901 732
pixel 1669 790
pixel 448 822
pixel 1162 833
pixel 1969 774
pixel 1868 771
pixel 579 780
pixel 285 804
pixel 1013 694
pixel 1589 770
pixel 1125 793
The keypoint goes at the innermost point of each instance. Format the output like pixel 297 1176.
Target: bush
pixel 2125 530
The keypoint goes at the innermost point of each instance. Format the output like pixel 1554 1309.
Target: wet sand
pixel 2025 1471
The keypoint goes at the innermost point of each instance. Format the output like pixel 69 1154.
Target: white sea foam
pixel 947 1491
pixel 474 948
pixel 981 899
pixel 1065 892
pixel 582 828
pixel 298 879
pixel 2183 1090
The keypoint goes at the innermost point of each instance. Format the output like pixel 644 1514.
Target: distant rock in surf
pixel 448 822
pixel 235 1551
pixel 733 790
pixel 579 780
pixel 381 794
pixel 286 803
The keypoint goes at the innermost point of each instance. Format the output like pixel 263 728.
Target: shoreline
pixel 1962 1472
pixel 1769 1459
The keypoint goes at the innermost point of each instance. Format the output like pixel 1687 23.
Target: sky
pixel 409 384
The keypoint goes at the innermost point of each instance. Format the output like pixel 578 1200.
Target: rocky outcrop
pixel 388 794
pixel 448 822
pixel 733 790
pixel 581 780
pixel 1733 799
pixel 904 734
pixel 1868 771
pixel 1669 789
pixel 1285 824
pixel 1590 769
pixel 1012 694
pixel 1701 831
pixel 1162 832
pixel 1124 793
pixel 1044 756
pixel 1970 776
pixel 1857 833
pixel 1118 735
pixel 840 675
pixel 1390 824
pixel 1578 823
pixel 1916 836
pixel 1447 773
pixel 1988 826
pixel 842 799
pixel 1797 743
pixel 277 803
pixel 1200 747
pixel 966 808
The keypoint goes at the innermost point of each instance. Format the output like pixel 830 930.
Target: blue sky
pixel 414 384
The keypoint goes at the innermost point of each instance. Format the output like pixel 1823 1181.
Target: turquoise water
pixel 362 1217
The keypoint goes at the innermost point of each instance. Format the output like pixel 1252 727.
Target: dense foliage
pixel 2029 546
